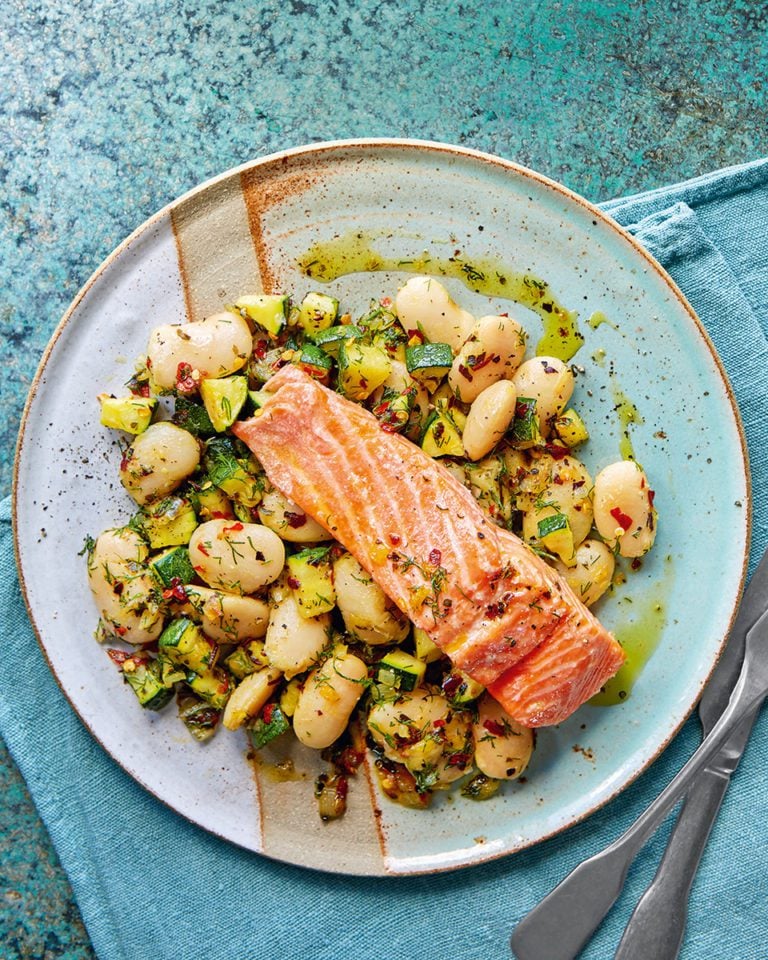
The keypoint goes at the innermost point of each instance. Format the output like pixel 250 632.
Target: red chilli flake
pixel 268 713
pixel 394 539
pixel 176 591
pixel 295 520
pixel 202 550
pixel 185 382
pixel 235 528
pixel 556 451
pixel 622 519
pixel 494 727
pixel 293 583
pixel 451 685
pixel 651 497
pixel 435 556
pixel 458 760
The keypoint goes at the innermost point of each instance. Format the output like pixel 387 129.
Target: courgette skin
pixel 400 670
pixel 192 417
pixel 173 565
pixel 184 644
pixel 268 725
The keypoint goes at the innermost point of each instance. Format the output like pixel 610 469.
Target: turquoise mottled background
pixel 108 110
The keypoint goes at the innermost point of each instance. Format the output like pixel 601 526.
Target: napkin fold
pixel 150 884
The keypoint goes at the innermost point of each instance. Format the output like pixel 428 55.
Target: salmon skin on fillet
pixel 499 612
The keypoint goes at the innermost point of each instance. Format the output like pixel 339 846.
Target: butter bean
pixel 159 461
pixel 489 417
pixel 424 304
pixel 328 698
pixel 624 513
pixel 503 747
pixel 293 642
pixel 249 696
pixel 591 574
pixel 493 352
pixel 288 520
pixel 236 557
pixel 549 382
pixel 215 347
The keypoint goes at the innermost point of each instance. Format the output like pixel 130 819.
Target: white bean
pixel 288 520
pixel 293 642
pixel 123 588
pixel 624 513
pixel 236 557
pixel 503 747
pixel 249 696
pixel 328 698
pixel 488 419
pixel 159 461
pixel 364 607
pixel 424 304
pixel 493 352
pixel 549 382
pixel 215 347
pixel 227 617
pixel 592 573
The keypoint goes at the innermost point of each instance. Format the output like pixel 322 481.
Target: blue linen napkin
pixel 149 884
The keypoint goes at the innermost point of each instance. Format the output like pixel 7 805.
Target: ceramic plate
pixel 370 212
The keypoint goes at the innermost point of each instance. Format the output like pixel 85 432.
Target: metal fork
pixel 563 922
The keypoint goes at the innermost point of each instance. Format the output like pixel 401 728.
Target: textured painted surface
pixel 111 109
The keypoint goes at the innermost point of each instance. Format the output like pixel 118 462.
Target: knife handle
pixel 657 926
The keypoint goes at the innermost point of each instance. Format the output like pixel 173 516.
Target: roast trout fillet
pixel 495 608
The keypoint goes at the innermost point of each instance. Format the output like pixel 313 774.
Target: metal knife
pixel 657 926
pixel 562 923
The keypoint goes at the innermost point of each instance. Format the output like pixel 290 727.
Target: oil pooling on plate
pixel 352 252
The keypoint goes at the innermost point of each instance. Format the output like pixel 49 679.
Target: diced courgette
pixel 268 310
pixel 143 675
pixel 525 427
pixel 429 363
pixel 130 414
pixel 199 717
pixel 461 689
pixel 168 523
pixel 441 436
pixel 227 471
pixel 173 564
pixel 362 368
pixel 555 535
pixel 400 670
pixel 211 503
pixel 394 408
pixel 314 361
pixel 571 428
pixel 426 649
pixel 223 399
pixel 330 340
pixel 317 311
pixel 192 417
pixel 184 644
pixel 213 686
pixel 269 724
pixel 310 577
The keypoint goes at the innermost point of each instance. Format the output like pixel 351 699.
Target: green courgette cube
pixel 378 318
pixel 192 417
pixel 426 649
pixel 270 723
pixel 400 670
pixel 223 399
pixel 184 644
pixel 441 436
pixel 143 676
pixel 429 363
pixel 228 472
pixel 317 311
pixel 310 577
pixel 199 717
pixel 525 430
pixel 168 523
pixel 173 565
pixel 480 787
pixel 211 503
pixel 394 409
pixel 330 340
pixel 213 686
pixel 460 689
pixel 571 428
pixel 314 361
pixel 393 341
pixel 362 368
pixel 130 414
pixel 268 310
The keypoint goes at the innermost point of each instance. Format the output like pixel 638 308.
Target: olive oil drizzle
pixel 352 253
pixel 639 636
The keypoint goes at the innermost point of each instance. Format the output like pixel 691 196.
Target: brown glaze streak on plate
pixel 266 186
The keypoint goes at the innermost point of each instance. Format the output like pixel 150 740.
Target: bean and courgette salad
pixel 221 596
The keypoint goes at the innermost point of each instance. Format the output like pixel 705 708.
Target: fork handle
pixel 657 926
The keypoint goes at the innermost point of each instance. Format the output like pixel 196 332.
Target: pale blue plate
pixel 249 228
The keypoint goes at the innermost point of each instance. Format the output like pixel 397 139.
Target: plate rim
pixel 373 144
